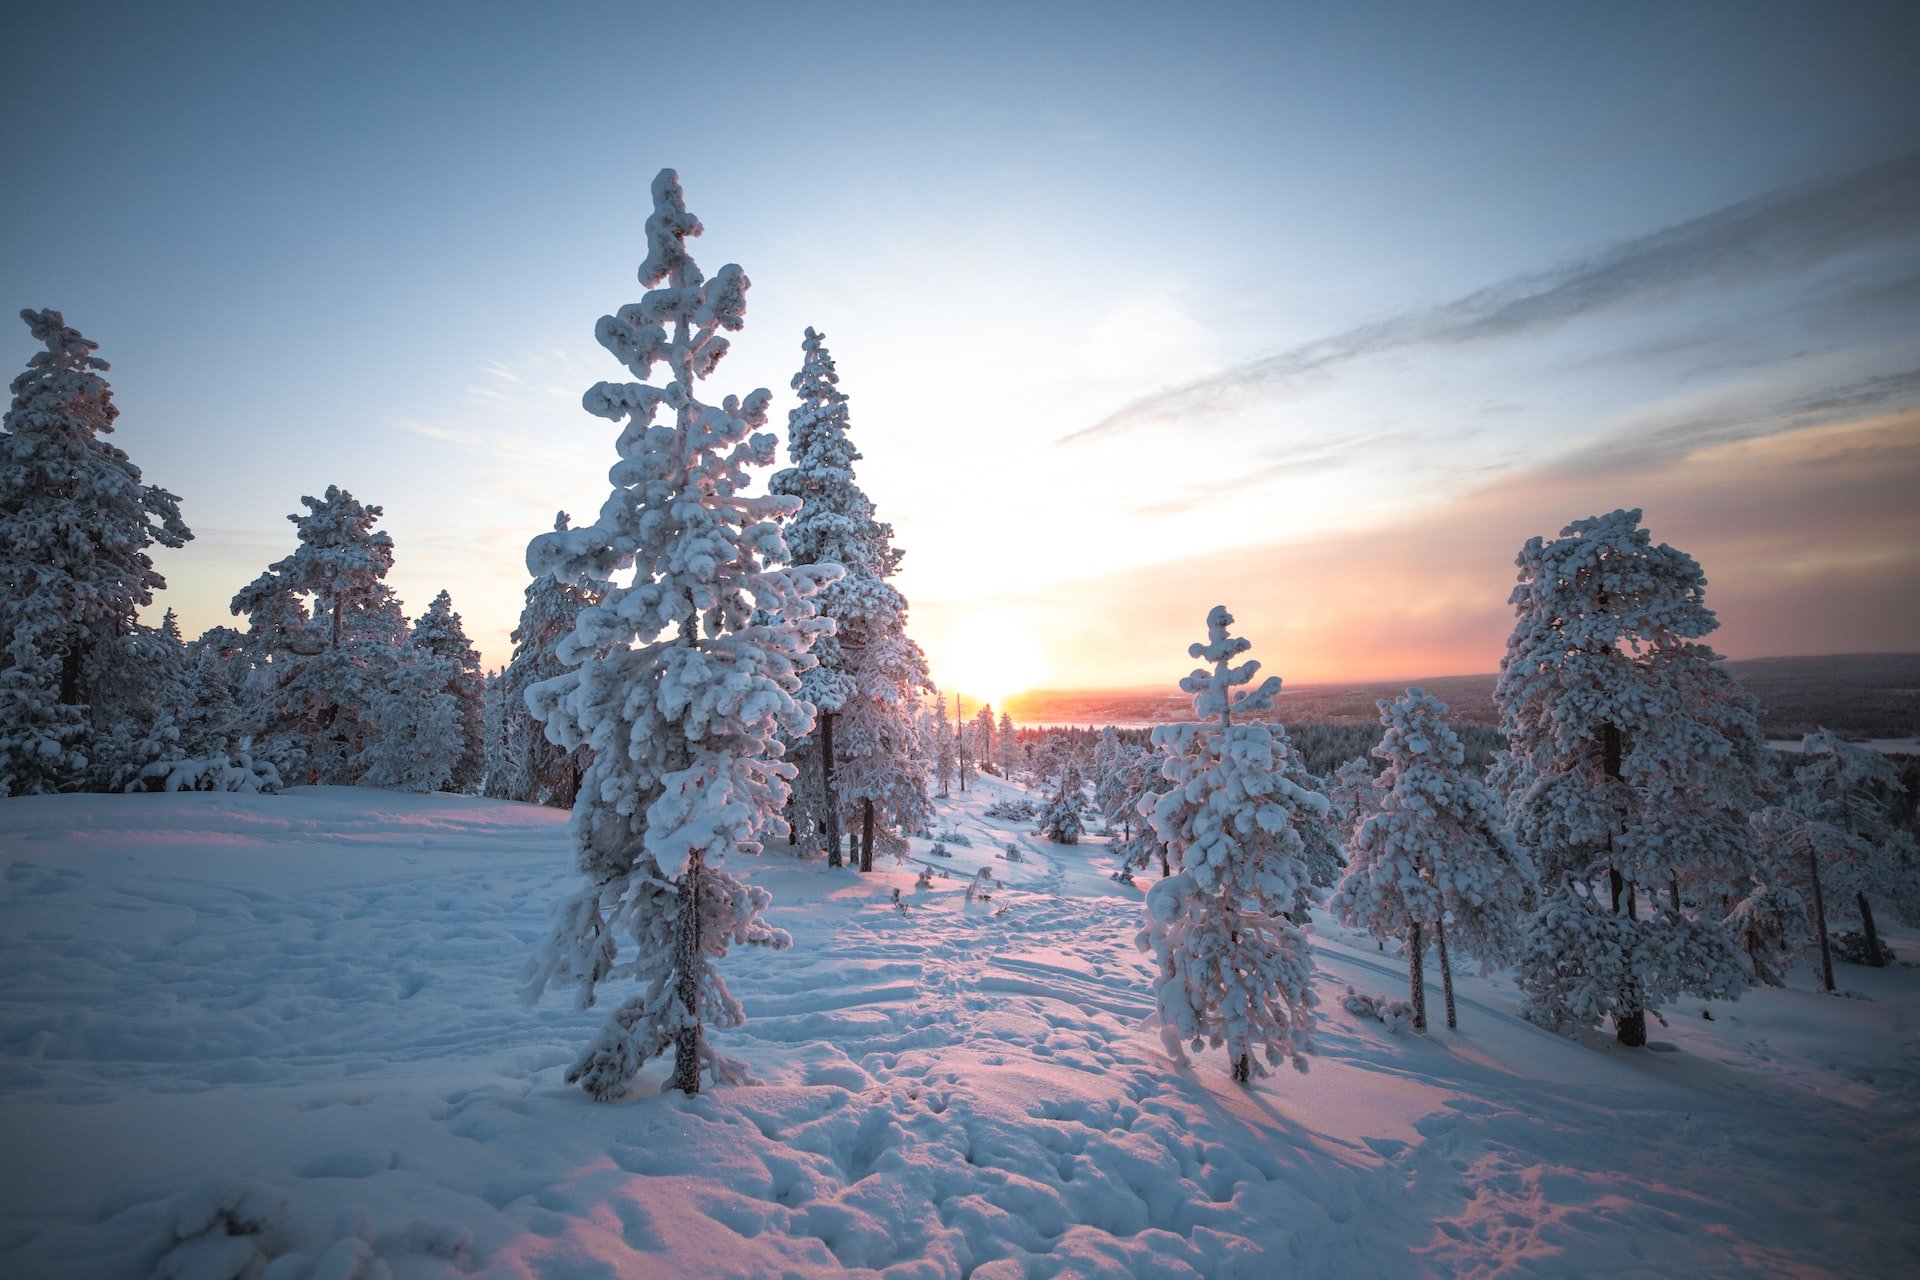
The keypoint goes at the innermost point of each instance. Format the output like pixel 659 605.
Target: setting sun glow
pixel 988 657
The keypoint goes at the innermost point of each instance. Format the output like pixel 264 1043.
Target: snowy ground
pixel 283 1033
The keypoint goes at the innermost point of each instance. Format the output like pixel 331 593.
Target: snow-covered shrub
pixel 1398 1015
pixel 1060 819
pixel 233 771
pixel 1011 809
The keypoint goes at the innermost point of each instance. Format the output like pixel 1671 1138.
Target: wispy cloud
pixel 1775 235
pixel 1647 447
pixel 1329 455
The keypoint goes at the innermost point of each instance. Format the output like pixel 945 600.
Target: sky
pixel 1317 311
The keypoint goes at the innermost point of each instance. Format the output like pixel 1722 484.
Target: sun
pixel 988 657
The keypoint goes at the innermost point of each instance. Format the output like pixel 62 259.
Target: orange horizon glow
pixel 1423 595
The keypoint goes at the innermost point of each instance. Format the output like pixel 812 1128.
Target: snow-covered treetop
pixel 1416 731
pixel 341 561
pixel 64 374
pixel 1602 582
pixel 1628 745
pixel 1842 782
pixel 70 502
pixel 440 632
pixel 1213 691
pixel 677 511
pixel 698 309
pixel 837 520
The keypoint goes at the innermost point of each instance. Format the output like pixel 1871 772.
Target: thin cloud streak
pixel 1648 448
pixel 1780 233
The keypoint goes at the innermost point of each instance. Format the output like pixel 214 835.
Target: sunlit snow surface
pixel 281 1036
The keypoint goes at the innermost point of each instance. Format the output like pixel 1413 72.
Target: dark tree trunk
pixel 866 834
pixel 1417 975
pixel 70 664
pixel 1243 1068
pixel 1633 902
pixel 1631 1022
pixel 1875 956
pixel 830 808
pixel 1820 917
pixel 1673 893
pixel 689 962
pixel 1446 972
pixel 1166 868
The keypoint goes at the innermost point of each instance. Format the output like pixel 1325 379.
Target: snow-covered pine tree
pixel 1141 785
pixel 418 736
pixel 869 673
pixel 438 633
pixel 946 755
pixel 1060 820
pixel 75 525
pixel 963 760
pixel 1838 837
pixel 1632 762
pixel 325 634
pixel 1109 757
pixel 983 738
pixel 1433 860
pixel 1009 746
pixel 684 682
pixel 881 778
pixel 1233 970
pixel 1320 841
pixel 533 767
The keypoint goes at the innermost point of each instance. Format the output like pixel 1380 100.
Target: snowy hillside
pixel 281 1035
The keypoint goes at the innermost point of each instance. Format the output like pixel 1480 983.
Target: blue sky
pixel 1319 309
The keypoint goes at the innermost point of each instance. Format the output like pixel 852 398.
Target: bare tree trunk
pixel 689 964
pixel 1243 1068
pixel 1875 956
pixel 1820 917
pixel 830 807
pixel 1446 972
pixel 1417 975
pixel 1673 893
pixel 866 834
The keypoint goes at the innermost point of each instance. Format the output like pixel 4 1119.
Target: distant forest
pixel 1859 696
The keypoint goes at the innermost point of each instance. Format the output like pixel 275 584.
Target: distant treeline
pixel 1859 696
pixel 1323 747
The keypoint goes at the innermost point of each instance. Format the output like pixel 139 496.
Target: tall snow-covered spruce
pixel 1632 762
pixel 864 760
pixel 75 525
pixel 1233 970
pixel 685 678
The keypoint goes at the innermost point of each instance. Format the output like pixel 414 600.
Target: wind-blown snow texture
pixel 300 1014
